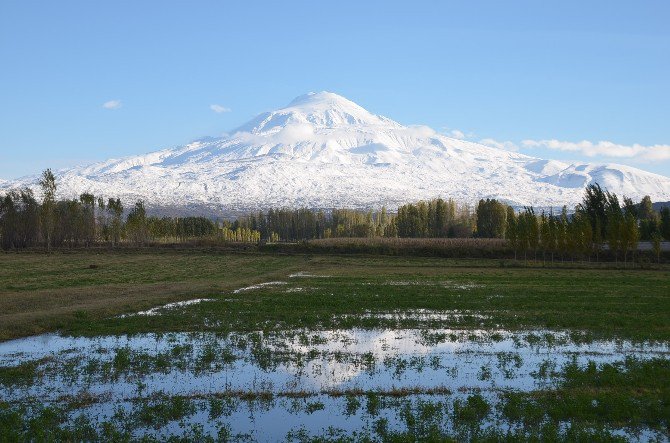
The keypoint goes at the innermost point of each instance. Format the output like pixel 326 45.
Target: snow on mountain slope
pixel 324 151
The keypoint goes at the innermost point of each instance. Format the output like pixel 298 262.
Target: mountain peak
pixel 322 98
pixel 318 109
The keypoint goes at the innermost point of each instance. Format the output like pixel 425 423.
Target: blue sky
pixel 551 79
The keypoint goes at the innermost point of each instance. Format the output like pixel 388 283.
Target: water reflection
pixel 304 361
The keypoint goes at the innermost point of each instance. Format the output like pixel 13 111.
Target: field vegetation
pixel 64 291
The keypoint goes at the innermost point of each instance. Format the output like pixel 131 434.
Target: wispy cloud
pixel 219 109
pixel 420 131
pixel 455 133
pixel 112 104
pixel 604 149
pixel 505 145
pixel 471 136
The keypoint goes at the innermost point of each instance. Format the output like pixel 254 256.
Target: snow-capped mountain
pixel 324 151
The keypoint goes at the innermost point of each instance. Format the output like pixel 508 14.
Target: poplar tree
pixel 630 234
pixel 656 245
pixel 88 223
pixel 562 233
pixel 491 219
pixel 584 235
pixel 615 230
pixel 594 207
pixel 136 224
pixel 512 230
pixel 552 225
pixel 649 219
pixel 115 209
pixel 597 240
pixel 48 184
pixel 102 227
pixel 545 235
pixel 528 230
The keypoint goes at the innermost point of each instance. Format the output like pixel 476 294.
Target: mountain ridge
pixel 323 150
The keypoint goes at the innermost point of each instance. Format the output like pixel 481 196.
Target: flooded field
pixel 378 359
pixel 305 362
pixel 305 382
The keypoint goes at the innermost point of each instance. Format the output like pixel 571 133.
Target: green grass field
pixel 40 292
pixel 61 291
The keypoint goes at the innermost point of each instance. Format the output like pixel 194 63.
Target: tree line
pixel 599 222
pixel 26 222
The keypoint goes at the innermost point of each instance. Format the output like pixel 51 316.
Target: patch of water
pixel 303 361
pixel 259 286
pixel 299 419
pixel 159 309
pixel 298 289
pixel 419 315
pixel 448 284
pixel 270 384
pixel 303 274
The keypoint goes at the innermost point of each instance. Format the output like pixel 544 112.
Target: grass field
pixel 61 291
pixel 394 347
pixel 40 292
